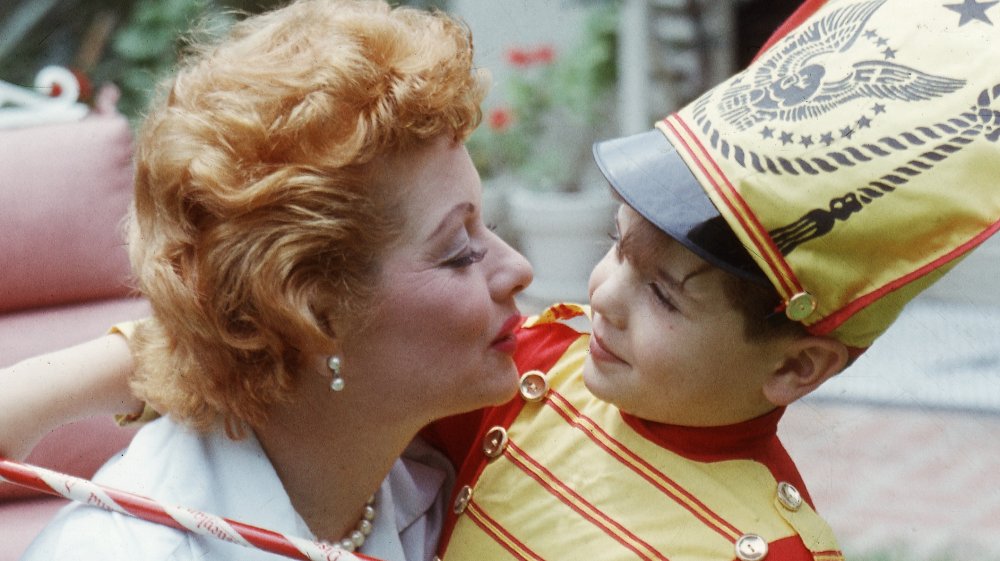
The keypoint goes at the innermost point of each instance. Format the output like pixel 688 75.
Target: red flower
pixel 500 119
pixel 523 58
pixel 544 54
pixel 518 57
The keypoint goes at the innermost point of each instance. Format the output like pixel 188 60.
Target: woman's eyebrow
pixel 458 211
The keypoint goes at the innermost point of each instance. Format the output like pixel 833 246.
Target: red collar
pixel 748 439
pixel 756 439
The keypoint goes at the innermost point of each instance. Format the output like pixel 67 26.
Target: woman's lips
pixel 601 353
pixel 505 341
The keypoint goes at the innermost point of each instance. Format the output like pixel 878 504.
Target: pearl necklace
pixel 364 527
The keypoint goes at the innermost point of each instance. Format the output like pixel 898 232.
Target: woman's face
pixel 438 339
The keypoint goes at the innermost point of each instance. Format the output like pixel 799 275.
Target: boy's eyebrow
pixel 678 285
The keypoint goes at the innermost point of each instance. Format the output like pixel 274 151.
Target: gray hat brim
pixel 652 178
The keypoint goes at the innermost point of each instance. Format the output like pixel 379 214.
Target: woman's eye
pixel 663 298
pixel 465 259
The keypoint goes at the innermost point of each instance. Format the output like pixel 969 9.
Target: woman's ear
pixel 809 361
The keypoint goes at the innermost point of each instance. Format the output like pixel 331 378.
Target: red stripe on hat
pixel 802 13
pixel 836 319
pixel 737 206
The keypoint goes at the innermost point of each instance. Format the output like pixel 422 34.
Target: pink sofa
pixel 64 278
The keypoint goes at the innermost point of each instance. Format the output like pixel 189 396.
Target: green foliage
pixel 147 46
pixel 585 79
pixel 552 108
pixel 132 44
pixel 140 48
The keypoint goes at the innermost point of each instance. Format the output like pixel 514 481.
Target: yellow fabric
pixel 126 329
pixel 648 504
pixel 147 414
pixel 858 153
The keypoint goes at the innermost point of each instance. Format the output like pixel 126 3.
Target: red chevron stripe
pixel 499 534
pixel 551 483
pixel 765 246
pixel 630 459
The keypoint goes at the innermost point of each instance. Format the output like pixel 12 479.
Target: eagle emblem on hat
pixel 798 80
pixel 855 159
pixel 791 93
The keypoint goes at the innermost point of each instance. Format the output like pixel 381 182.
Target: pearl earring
pixel 337 382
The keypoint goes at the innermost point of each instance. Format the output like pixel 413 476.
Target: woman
pixel 307 230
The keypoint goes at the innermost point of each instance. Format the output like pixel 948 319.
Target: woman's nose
pixel 513 273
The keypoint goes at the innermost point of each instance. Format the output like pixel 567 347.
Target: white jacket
pixel 234 479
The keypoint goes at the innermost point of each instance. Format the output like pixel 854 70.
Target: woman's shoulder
pixel 86 533
pixel 173 465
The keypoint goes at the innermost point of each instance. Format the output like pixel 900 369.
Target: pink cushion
pixel 77 449
pixel 21 521
pixel 27 333
pixel 64 190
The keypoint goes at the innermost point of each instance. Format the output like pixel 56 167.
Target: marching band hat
pixel 856 160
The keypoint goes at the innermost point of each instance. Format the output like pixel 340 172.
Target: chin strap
pixel 181 518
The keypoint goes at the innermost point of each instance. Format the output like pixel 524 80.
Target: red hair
pixel 256 217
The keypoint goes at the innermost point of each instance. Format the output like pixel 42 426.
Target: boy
pixel 769 232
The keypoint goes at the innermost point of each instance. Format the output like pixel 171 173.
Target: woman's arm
pixel 44 392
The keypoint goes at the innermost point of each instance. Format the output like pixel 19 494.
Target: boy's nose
pixel 606 290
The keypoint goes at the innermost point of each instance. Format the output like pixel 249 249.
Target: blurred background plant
pixel 131 43
pixel 550 107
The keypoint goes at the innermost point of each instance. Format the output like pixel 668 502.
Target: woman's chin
pixel 504 386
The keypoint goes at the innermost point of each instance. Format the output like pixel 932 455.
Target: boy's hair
pixel 758 303
pixel 257 218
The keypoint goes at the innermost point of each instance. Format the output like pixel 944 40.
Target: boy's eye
pixel 616 243
pixel 466 259
pixel 662 297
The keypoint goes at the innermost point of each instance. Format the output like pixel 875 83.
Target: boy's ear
pixel 809 361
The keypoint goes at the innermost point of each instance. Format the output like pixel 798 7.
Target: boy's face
pixel 668 345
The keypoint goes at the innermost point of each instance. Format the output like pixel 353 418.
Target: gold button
pixel 800 306
pixel 494 442
pixel 534 385
pixel 751 547
pixel 789 496
pixel 463 498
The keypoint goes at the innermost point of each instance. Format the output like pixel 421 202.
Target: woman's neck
pixel 331 453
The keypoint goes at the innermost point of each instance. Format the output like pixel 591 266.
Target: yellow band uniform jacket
pixel 558 474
